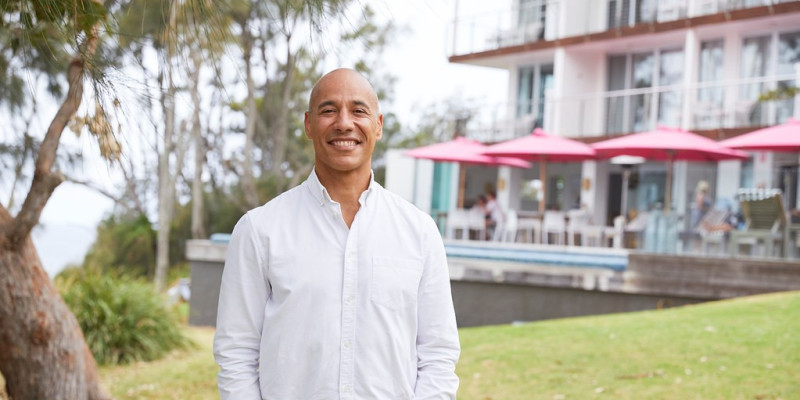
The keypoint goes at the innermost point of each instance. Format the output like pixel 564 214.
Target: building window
pixel 670 75
pixel 630 12
pixel 643 90
pixel 709 107
pixel 532 84
pixel 755 64
pixel 531 18
pixel 788 56
pixel 765 56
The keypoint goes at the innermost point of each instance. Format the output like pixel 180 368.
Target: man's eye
pixel 326 111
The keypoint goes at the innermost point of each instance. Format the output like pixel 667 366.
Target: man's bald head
pixel 341 79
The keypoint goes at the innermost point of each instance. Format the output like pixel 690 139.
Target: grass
pixel 747 348
pixel 183 374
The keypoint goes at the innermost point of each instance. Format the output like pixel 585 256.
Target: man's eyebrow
pixel 325 104
pixel 361 103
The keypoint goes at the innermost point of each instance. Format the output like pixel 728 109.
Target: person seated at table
pixel 495 213
pixel 731 222
pixel 481 204
pixel 702 203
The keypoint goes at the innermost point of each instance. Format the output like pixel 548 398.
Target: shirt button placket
pixel 349 285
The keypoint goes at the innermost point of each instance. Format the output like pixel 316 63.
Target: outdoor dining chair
pixel 508 230
pixel 765 222
pixel 710 232
pixel 577 221
pixel 554 223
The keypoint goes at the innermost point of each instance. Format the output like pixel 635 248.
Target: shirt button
pixel 348 300
pixel 347 389
pixel 346 344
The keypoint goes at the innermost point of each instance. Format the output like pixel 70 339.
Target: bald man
pixel 337 289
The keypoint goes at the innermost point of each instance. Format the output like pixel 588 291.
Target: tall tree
pixel 44 352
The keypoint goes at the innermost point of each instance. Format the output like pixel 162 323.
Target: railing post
pixel 797 90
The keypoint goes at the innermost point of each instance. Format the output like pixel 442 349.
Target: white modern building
pixel 595 69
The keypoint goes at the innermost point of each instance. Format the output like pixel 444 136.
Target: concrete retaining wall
pixel 707 277
pixel 486 303
pixel 487 291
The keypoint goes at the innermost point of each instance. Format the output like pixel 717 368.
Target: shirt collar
pixel 322 196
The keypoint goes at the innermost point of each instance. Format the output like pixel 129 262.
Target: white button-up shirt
pixel 312 310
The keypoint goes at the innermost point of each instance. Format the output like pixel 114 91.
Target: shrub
pixel 123 319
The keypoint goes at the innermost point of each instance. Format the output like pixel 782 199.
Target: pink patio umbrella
pixel 784 137
pixel 463 151
pixel 544 148
pixel 667 144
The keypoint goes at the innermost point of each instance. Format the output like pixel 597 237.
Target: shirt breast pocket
pixel 395 282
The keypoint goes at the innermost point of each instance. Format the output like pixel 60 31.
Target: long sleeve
pixel 437 337
pixel 243 295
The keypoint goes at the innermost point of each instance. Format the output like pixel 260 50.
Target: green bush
pixel 123 319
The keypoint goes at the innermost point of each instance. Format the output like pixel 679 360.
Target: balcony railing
pixel 491 123
pixel 533 22
pixel 543 20
pixel 704 106
pixel 712 105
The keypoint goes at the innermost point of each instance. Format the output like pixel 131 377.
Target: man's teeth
pixel 344 142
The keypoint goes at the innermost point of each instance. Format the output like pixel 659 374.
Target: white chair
pixel 578 220
pixel 532 227
pixel 508 230
pixel 554 223
pixel 476 221
pixel 457 220
pixel 594 235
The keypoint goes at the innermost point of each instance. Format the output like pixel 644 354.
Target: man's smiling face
pixel 343 122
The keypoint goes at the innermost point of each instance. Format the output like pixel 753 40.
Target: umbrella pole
pixel 462 183
pixel 668 194
pixel 626 176
pixel 543 179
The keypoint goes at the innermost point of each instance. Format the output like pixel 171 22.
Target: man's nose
pixel 344 121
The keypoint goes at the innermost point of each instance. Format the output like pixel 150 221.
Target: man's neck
pixel 345 188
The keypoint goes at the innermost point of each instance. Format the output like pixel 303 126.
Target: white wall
pixel 728 179
pixel 578 73
pixel 410 178
pixel 400 174
pixel 423 194
pixel 509 182
pixel 595 198
pixel 579 17
pixel 763 176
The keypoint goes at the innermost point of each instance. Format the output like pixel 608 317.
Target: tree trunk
pixel 198 222
pixel 248 180
pixel 281 132
pixel 166 187
pixel 44 353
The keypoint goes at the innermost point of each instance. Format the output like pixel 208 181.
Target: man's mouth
pixel 344 143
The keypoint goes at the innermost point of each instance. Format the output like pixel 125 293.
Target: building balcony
pixel 543 24
pixel 492 123
pixel 702 107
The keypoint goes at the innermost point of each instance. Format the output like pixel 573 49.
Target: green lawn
pixel 188 374
pixel 747 348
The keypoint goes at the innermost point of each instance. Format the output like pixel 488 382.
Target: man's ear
pixel 380 127
pixel 306 122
